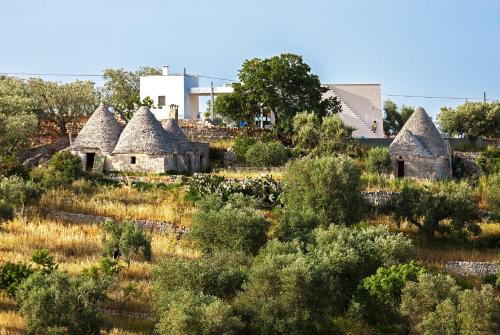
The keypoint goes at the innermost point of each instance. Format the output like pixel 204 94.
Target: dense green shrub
pixel 6 211
pixel 220 274
pixel 380 294
pixel 378 160
pixel 12 275
pixel 124 241
pixel 183 312
pixel 241 145
pixel 428 207
pixel 266 189
pixel 18 192
pixel 13 168
pixel 435 305
pixel 69 165
pixel 489 160
pixel 49 178
pixel 54 303
pixel 264 154
pixel 232 225
pixel 492 194
pixel 458 167
pixel 298 289
pixel 328 188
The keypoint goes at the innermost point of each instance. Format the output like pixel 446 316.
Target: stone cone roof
pixel 419 136
pixel 174 130
pixel 102 131
pixel 145 135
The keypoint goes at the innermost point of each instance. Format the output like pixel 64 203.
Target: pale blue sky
pixel 424 47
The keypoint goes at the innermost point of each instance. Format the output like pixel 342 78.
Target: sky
pixel 446 48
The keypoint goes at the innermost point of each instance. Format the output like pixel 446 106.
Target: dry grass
pixel 222 144
pixel 124 203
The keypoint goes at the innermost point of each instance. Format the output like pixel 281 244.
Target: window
pixel 161 100
pixel 132 160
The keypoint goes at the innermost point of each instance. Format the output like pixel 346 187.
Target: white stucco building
pixel 361 103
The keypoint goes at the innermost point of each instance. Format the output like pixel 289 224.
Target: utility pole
pixel 212 100
pixel 484 96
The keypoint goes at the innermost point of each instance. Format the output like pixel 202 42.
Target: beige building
pixel 142 146
pixel 419 150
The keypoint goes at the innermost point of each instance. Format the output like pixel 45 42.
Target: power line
pixel 435 97
pixel 86 75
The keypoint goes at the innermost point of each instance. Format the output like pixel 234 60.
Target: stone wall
pixel 379 198
pixel 478 269
pixel 425 168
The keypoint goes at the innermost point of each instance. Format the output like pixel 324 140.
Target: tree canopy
pixel 395 118
pixel 282 85
pixel 472 119
pixel 122 88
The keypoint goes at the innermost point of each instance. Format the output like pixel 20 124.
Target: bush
pixel 49 178
pixel 8 169
pixel 489 160
pixel 6 211
pixel 54 303
pixel 266 154
pixel 441 207
pixel 265 189
pixel 12 275
pixel 220 274
pixel 18 192
pixel 298 289
pixel 69 165
pixel 124 240
pixel 380 294
pixel 492 194
pixel 241 145
pixel 185 312
pixel 328 188
pixel 232 225
pixel 378 160
pixel 435 305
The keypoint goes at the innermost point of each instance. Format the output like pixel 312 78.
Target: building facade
pixel 361 103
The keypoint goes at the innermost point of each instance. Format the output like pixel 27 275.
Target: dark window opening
pixel 89 161
pixel 161 100
pixel 133 160
pixel 400 169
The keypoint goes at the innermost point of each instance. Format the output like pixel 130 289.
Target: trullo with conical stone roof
pixel 419 150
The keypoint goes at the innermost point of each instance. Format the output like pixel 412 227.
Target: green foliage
pixel 380 294
pixel 489 160
pixel 45 262
pixel 265 189
pixel 474 119
pixel 378 160
pixel 328 188
pixel 12 275
pixel 492 194
pixel 54 303
pixel 266 154
pixel 220 274
pixel 444 208
pixel 233 225
pixel 297 289
pixel 241 145
pixel 185 312
pixel 6 211
pixel 435 305
pixel 395 119
pixel 124 240
pixel 458 167
pixel 282 85
pixel 69 165
pixel 18 121
pixel 18 192
pixel 121 89
pixel 62 103
pixel 329 137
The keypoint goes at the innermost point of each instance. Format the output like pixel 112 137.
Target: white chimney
pixel 164 70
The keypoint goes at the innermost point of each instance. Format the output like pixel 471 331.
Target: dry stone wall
pixel 478 269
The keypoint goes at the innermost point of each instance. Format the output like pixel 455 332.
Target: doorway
pixel 89 161
pixel 400 169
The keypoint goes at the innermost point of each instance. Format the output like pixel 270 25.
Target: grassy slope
pixel 76 247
